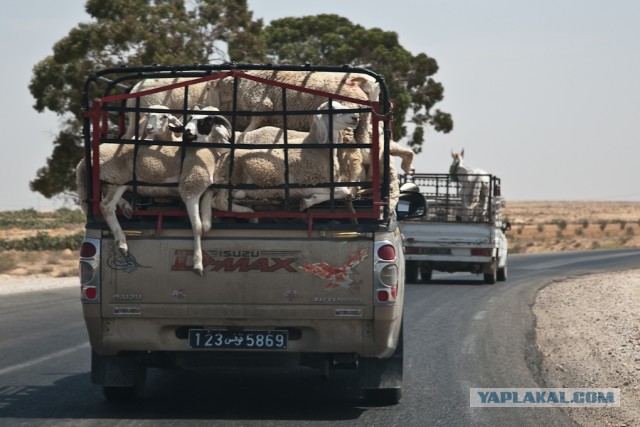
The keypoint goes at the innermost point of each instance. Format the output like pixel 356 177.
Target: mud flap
pixel 381 379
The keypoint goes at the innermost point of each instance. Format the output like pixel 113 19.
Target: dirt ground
pixel 588 331
pixel 588 328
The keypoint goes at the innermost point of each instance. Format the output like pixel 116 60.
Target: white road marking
pixel 42 359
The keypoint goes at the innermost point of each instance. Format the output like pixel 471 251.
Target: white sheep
pixel 358 165
pixel 474 188
pixel 307 166
pixel 260 97
pixel 199 94
pixel 159 122
pixel 160 165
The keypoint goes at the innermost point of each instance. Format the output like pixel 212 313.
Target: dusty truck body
pixel 322 287
pixel 453 237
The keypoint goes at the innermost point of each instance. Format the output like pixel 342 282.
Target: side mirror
pixel 506 226
pixel 411 205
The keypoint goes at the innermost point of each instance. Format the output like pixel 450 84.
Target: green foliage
pixel 32 220
pixel 44 242
pixel 143 32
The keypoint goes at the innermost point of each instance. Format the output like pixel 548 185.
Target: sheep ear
pixel 174 121
pixel 322 127
pixel 221 120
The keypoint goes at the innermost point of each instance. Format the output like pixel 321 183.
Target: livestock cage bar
pixel 465 198
pixel 109 106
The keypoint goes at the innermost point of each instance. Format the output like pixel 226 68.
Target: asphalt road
pixel 459 333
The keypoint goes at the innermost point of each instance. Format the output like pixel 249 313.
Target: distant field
pixel 536 227
pixel 566 226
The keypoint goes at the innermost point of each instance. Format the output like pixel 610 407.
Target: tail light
pixel 386 273
pixel 88 271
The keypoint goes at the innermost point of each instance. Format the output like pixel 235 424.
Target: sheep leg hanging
pixel 193 209
pixel 108 208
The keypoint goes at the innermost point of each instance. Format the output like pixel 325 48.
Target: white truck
pixel 323 287
pixel 451 237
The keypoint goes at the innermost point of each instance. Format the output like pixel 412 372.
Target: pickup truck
pixel 322 287
pixel 449 238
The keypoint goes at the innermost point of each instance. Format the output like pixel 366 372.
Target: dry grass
pixel 48 263
pixel 567 226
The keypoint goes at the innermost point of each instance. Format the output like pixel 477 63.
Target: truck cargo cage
pixel 110 107
pixel 465 198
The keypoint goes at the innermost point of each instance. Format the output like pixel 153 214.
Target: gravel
pixel 588 331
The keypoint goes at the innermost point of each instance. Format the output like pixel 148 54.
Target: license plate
pixel 246 340
pixel 435 251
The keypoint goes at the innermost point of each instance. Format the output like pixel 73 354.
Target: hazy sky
pixel 544 94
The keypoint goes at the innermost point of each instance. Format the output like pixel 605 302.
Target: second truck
pixel 451 237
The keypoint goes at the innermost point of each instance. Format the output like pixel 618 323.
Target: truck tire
pixel 122 376
pixel 425 274
pixel 117 394
pixel 502 274
pixel 491 277
pixel 411 271
pixel 381 379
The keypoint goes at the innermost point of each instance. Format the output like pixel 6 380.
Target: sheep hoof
pixel 198 271
pixel 124 250
pixel 128 212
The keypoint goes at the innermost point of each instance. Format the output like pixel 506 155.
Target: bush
pixel 35 220
pixel 562 224
pixel 43 242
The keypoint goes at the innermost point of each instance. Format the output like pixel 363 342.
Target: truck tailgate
pixel 434 233
pixel 243 277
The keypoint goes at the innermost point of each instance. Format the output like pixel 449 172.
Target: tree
pixel 331 39
pixel 174 32
pixel 132 33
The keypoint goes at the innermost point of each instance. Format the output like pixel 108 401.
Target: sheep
pixel 359 165
pixel 163 164
pixel 306 166
pixel 158 128
pixel 199 94
pixel 474 188
pixel 257 96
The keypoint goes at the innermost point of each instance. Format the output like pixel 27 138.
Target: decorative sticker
pixel 126 263
pixel 337 277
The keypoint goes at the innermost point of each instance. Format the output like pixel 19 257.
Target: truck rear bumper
pixel 366 338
